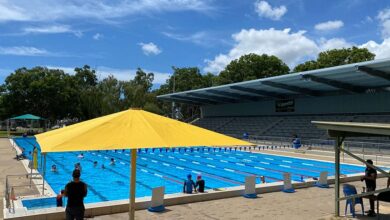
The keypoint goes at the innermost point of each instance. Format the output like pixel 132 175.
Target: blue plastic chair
pixel 349 190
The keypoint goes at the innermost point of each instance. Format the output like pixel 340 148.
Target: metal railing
pixel 10 196
pixel 372 150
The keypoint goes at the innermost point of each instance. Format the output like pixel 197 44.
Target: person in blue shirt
pixel 189 185
pixel 296 142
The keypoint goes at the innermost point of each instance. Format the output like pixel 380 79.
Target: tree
pixel 45 92
pixel 336 57
pixel 252 66
pixel 136 92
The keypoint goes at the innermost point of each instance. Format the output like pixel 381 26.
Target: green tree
pixel 136 92
pixel 45 92
pixel 252 66
pixel 336 57
pixel 110 90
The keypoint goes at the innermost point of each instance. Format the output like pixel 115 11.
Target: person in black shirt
pixel 75 191
pixel 200 184
pixel 370 178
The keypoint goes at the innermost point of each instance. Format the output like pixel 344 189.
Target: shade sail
pixel 27 117
pixel 131 129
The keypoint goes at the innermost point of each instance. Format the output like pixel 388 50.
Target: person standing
pixel 189 185
pixel 76 190
pixel 370 179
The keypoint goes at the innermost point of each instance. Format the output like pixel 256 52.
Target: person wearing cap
pixel 199 184
pixel 189 185
pixel 75 190
pixel 370 179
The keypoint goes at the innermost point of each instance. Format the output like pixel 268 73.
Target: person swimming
pixel 112 162
pixel 53 168
pixel 103 167
pixel 77 166
pixel 80 156
pixel 95 163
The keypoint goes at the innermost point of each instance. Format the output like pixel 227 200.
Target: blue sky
pixel 118 36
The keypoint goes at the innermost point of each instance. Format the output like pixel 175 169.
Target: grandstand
pixel 285 105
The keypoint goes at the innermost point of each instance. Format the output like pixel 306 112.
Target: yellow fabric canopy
pixel 131 129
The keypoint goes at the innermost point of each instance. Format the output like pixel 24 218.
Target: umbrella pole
pixel 132 184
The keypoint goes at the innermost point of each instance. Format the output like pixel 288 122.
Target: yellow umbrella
pixel 131 129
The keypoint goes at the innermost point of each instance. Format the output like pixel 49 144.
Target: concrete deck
pixel 305 204
pixel 8 166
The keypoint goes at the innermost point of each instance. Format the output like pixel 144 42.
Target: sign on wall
pixel 287 105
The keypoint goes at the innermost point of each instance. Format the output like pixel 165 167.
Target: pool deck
pixel 9 166
pixel 306 203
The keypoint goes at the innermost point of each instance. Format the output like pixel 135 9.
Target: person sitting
pixel 80 156
pixel 59 198
pixel 189 185
pixel 296 142
pixel 199 184
pixel 112 162
pixel 22 154
pixel 53 168
pixel 95 163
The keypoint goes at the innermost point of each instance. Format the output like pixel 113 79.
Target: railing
pixel 10 196
pixel 372 150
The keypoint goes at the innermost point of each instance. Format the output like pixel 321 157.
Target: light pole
pixel 173 102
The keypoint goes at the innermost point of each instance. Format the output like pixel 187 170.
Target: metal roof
pixel 344 129
pixel 364 77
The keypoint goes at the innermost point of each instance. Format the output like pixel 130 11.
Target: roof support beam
pixel 170 99
pixel 335 83
pixel 374 72
pixel 258 92
pixel 234 95
pixel 292 88
pixel 199 100
pixel 211 97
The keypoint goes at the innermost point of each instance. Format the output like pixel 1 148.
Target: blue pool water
pixel 218 168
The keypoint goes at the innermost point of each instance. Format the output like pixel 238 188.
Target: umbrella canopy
pixel 131 129
pixel 27 117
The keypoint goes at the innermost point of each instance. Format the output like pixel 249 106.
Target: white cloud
pixel 329 25
pixel 48 10
pixel 264 9
pixel 52 29
pixel 333 43
pixel 384 19
pixel 197 38
pixel 382 50
pixel 290 47
pixel 97 36
pixel 23 51
pixel 120 74
pixel 150 48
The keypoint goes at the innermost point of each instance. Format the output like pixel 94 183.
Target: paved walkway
pixel 9 165
pixel 305 204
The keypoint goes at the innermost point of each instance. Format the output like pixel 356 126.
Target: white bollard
pixel 323 181
pixel 157 203
pixel 287 187
pixel 250 187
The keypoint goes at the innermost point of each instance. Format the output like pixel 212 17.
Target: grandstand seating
pixel 287 126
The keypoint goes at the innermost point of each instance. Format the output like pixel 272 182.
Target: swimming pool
pixel 219 167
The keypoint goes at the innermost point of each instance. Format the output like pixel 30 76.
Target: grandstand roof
pixel 364 77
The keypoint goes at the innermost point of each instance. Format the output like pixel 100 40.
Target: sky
pixel 118 36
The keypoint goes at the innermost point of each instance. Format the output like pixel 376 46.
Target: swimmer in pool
pixel 53 168
pixel 95 164
pixel 80 156
pixel 112 162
